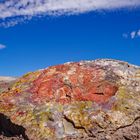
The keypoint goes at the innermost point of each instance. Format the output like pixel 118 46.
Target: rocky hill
pixel 97 100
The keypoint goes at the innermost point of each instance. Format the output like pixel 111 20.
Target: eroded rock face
pixel 90 99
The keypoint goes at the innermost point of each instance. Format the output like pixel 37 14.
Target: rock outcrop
pixel 97 100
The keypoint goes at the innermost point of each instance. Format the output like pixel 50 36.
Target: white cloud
pixel 132 34
pixel 14 21
pixel 13 8
pixel 2 46
pixel 135 34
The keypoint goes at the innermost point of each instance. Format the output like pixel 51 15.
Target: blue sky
pixel 50 40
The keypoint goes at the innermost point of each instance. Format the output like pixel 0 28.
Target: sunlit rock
pixel 88 99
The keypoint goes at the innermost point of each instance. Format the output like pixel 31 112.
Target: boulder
pixel 97 100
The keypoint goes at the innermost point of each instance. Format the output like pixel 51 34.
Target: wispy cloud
pixel 132 34
pixel 14 21
pixel 14 8
pixel 2 46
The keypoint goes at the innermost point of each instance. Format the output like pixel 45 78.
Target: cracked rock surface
pixel 97 100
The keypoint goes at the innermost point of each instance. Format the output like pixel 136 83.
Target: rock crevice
pixel 9 129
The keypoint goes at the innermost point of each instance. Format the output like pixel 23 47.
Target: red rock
pixel 66 83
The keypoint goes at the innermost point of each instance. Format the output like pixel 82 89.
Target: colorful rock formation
pixel 88 99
